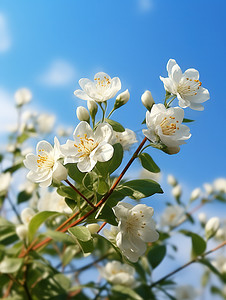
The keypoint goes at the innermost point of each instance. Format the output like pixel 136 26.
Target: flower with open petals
pixel 88 147
pixel 185 292
pixel 136 228
pixel 172 215
pixel 186 86
pixel 118 273
pixel 165 125
pixel 126 138
pixel 44 167
pixel 101 89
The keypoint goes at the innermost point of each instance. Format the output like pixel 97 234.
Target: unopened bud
pixel 26 215
pixel 195 194
pixel 176 191
pixel 60 172
pixel 22 96
pixel 211 227
pixel 22 231
pixel 92 107
pixel 171 180
pixel 122 99
pixel 147 100
pixel 202 218
pixel 93 228
pixel 82 114
pixel 172 150
pixel 208 188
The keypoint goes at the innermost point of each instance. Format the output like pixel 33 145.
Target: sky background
pixel 47 46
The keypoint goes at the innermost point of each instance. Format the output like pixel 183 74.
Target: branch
pixel 188 264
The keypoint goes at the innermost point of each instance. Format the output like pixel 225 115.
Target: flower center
pixel 44 160
pixel 134 223
pixel 102 84
pixel 169 125
pixel 188 87
pixel 86 145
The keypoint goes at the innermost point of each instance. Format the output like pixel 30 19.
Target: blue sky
pixel 48 46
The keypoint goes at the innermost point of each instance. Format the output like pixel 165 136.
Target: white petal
pixel 89 88
pixel 86 165
pixel 147 211
pixel 192 74
pixel 197 106
pixel 114 87
pixel 103 132
pixel 81 130
pixel 168 85
pixel 121 210
pixel 44 146
pixel 59 172
pixel 102 76
pixel 30 162
pixel 82 95
pixel 103 153
pixel 170 65
pixel 176 74
pixel 46 183
pixel 69 148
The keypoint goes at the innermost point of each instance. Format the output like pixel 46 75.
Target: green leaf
pixel 23 197
pixel 22 138
pixel 110 166
pixel 148 163
pixel 198 243
pixel 74 172
pixel 141 188
pixel 59 237
pixel 115 125
pixel 14 168
pixel 156 255
pixel 10 265
pixel 83 237
pixel 103 187
pixel 67 191
pixel 37 221
pixel 126 291
pixel 187 120
pixel 71 203
pixel 90 181
pixel 107 215
pixel 69 254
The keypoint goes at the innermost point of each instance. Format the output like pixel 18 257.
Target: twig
pixel 101 227
pixel 188 264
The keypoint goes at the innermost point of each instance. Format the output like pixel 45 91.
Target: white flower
pixel 93 228
pixel 172 215
pixel 147 100
pixel 220 264
pixel 165 125
pixel 82 114
pixel 111 234
pixel 195 194
pixel 5 179
pixel 22 231
pixel 136 228
pixel 103 88
pixel 185 292
pixel 23 96
pixel 88 147
pixel 52 201
pixel 122 99
pixel 27 186
pixel 126 138
pixel 177 191
pixel 211 227
pixel 44 167
pixel 171 180
pixel 45 123
pixel 220 185
pixel 186 86
pixel 221 232
pixel 118 273
pixel 208 188
pixel 26 215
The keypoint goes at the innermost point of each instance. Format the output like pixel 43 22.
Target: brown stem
pixel 101 227
pixel 80 194
pixel 187 264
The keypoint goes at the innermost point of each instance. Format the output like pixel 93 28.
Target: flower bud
pixel 208 188
pixel 172 150
pixel 60 172
pixel 22 231
pixel 202 218
pixel 171 180
pixel 93 228
pixel 195 194
pixel 211 227
pixel 176 191
pixel 92 107
pixel 22 96
pixel 147 100
pixel 26 215
pixel 82 114
pixel 122 99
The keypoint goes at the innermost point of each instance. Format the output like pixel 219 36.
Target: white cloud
pixel 8 115
pixel 5 39
pixel 60 73
pixel 145 5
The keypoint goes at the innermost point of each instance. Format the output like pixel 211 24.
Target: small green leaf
pixel 67 191
pixel 198 243
pixel 37 221
pixel 156 255
pixel 141 188
pixel 187 120
pixel 59 237
pixel 115 125
pixel 83 237
pixel 22 138
pixel 126 291
pixel 148 163
pixel 23 197
pixel 10 265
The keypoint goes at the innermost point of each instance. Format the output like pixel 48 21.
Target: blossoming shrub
pixel 58 216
